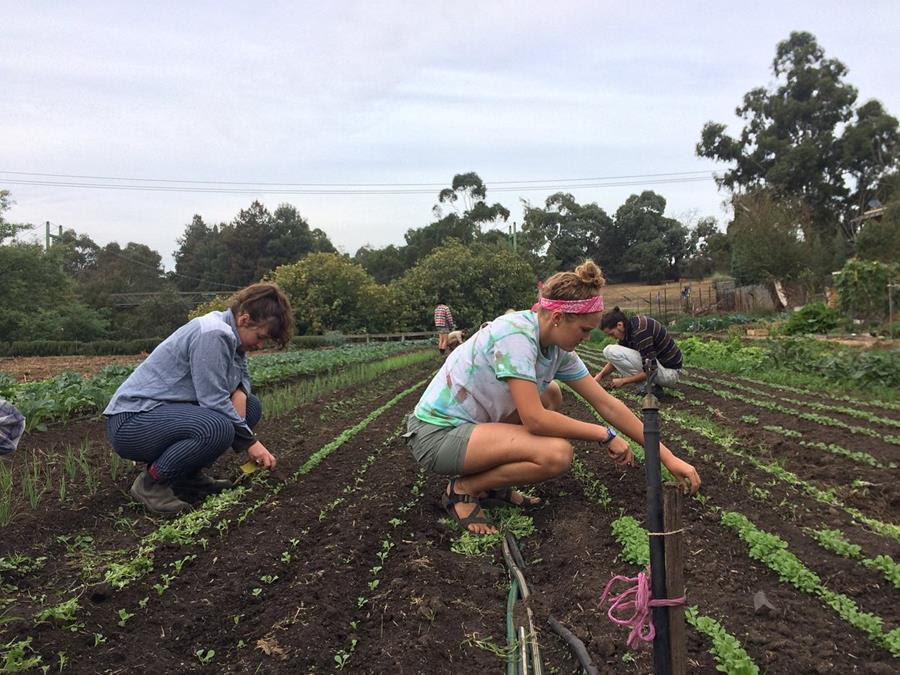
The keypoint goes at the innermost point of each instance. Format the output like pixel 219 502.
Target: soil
pixel 291 588
pixel 30 368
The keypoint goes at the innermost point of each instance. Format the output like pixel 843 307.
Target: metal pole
pixel 650 409
pixel 672 500
pixel 47 245
pixel 890 288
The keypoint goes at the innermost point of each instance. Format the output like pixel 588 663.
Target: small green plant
pixel 124 615
pixel 15 657
pixel 99 639
pixel 749 419
pixel 65 611
pixel 256 592
pixel 204 656
pixel 268 578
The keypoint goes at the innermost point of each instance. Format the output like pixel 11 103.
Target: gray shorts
pixel 441 450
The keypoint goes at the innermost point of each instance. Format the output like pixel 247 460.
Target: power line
pixel 351 185
pixel 362 192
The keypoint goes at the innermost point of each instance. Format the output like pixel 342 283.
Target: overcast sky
pixel 385 93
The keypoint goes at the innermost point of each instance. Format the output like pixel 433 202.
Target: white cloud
pixel 386 92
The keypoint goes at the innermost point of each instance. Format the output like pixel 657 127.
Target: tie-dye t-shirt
pixel 471 386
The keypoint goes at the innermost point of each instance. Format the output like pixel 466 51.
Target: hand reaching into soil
pixel 620 452
pixel 261 456
pixel 685 474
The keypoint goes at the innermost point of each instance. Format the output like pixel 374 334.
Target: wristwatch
pixel 610 434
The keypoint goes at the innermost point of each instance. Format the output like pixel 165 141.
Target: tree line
pixel 812 179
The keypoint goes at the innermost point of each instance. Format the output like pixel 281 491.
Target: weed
pixel 14 656
pixel 489 645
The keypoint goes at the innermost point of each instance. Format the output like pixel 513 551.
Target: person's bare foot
pixel 464 510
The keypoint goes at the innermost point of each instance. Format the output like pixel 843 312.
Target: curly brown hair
pixel 268 306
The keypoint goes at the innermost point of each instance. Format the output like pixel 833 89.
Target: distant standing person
pixel 190 400
pixel 443 322
pixel 640 338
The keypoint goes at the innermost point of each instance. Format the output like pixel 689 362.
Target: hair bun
pixel 589 274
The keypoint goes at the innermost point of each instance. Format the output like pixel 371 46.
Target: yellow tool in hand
pixel 249 467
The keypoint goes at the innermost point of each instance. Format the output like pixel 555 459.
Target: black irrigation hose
pixel 570 638
pixel 575 644
pixel 516 572
pixel 514 549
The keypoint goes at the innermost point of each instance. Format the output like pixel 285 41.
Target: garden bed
pixel 344 559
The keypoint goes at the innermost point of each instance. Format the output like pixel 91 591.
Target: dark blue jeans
pixel 176 438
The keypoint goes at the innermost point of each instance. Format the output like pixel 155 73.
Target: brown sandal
pixel 503 497
pixel 477 517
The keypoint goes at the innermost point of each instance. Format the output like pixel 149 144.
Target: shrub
pixel 815 317
pixel 863 288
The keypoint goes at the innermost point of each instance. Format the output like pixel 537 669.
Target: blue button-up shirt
pixel 200 363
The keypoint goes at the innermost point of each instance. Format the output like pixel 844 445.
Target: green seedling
pixel 124 615
pixel 64 611
pixel 268 578
pixel 204 656
pixel 256 592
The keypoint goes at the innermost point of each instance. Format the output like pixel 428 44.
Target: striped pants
pixel 177 439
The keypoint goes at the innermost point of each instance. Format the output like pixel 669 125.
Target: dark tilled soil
pixel 312 551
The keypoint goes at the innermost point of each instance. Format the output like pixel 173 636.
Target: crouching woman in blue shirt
pixel 190 400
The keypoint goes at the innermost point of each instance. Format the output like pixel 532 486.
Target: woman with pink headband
pixel 489 419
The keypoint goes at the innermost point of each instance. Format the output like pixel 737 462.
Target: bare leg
pixel 502 454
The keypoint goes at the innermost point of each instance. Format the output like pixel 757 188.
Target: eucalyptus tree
pixel 805 138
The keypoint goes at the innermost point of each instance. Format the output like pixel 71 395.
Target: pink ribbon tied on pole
pixel 636 598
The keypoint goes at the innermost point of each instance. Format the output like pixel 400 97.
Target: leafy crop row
pixel 812 417
pixel 846 410
pixel 834 541
pixel 773 551
pixel 726 649
pixel 68 395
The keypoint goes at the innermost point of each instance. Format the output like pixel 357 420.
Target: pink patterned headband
pixel 588 306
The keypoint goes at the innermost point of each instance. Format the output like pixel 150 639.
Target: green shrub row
pixel 834 363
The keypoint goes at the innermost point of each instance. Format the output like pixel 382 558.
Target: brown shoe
pixel 157 497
